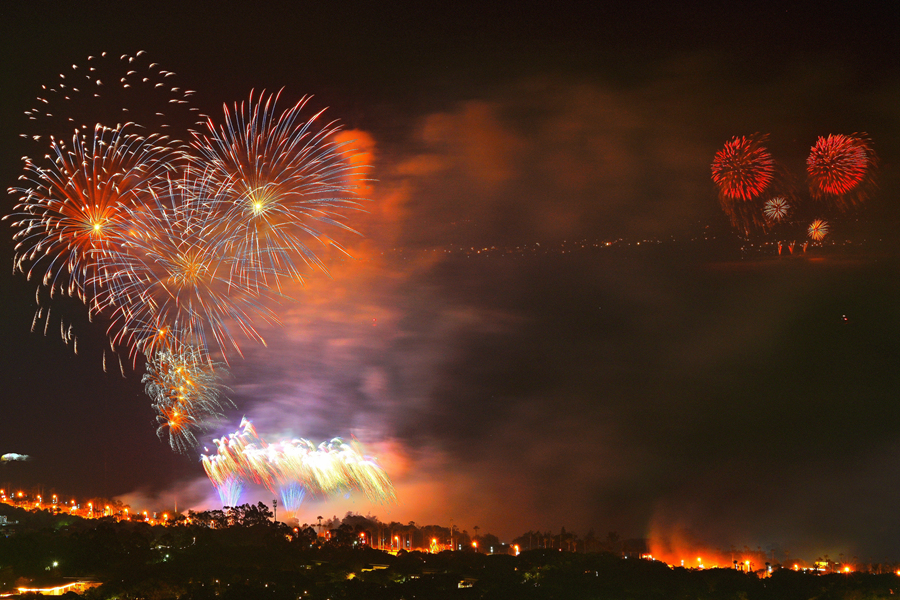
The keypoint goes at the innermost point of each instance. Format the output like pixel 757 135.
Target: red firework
pixel 743 169
pixel 840 169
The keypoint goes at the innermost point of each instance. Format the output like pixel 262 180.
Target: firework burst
pixel 840 169
pixel 184 250
pixel 230 491
pixel 743 170
pixel 72 211
pixel 288 181
pixel 776 209
pixel 187 392
pixel 170 277
pixel 292 495
pixel 817 230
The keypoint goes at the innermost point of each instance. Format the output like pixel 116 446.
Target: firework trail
pixel 817 230
pixel 230 491
pixel 840 170
pixel 330 468
pixel 292 495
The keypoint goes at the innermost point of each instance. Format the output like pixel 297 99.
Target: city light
pixel 33 502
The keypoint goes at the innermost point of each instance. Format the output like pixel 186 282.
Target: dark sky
pixel 675 391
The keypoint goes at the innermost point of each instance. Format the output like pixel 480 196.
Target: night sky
pixel 684 390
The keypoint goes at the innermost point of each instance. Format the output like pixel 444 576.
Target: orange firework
pixel 73 211
pixel 184 250
pixel 187 390
pixel 818 229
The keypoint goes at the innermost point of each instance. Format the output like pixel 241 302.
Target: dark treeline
pixel 242 552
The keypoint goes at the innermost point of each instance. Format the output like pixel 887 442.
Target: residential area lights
pixel 118 512
pixel 412 540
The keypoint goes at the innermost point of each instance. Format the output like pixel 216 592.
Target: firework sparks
pixel 113 90
pixel 818 229
pixel 330 468
pixel 183 250
pixel 72 211
pixel 170 277
pixel 743 170
pixel 776 209
pixel 292 495
pixel 286 179
pixel 840 169
pixel 187 391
